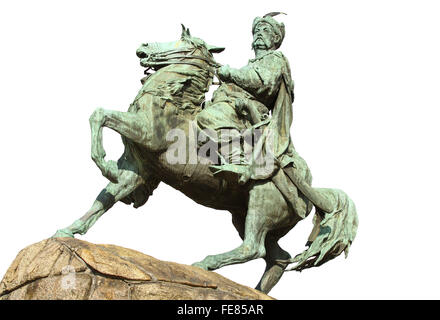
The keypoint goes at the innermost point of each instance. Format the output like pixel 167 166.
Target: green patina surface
pixel 264 205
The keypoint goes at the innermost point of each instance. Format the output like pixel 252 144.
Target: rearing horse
pixel 170 98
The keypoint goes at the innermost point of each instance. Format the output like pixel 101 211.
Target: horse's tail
pixel 332 234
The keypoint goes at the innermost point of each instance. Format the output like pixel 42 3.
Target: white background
pixel 367 77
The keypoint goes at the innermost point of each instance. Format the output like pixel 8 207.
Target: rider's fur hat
pixel 278 27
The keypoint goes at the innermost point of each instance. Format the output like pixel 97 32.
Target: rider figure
pixel 264 84
pixel 255 86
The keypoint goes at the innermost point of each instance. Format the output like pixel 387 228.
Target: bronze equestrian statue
pixel 267 188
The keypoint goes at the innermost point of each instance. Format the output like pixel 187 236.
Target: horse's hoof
pixel 63 233
pixel 199 265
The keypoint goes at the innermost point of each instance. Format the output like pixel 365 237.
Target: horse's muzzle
pixel 141 54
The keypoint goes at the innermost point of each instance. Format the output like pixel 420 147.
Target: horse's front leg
pixel 133 126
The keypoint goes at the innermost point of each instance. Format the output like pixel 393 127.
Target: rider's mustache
pixel 260 37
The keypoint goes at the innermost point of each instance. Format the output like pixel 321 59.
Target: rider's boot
pixel 310 193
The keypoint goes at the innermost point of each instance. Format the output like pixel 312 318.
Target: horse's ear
pixel 185 32
pixel 215 49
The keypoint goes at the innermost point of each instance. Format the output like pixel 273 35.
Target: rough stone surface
pixel 66 268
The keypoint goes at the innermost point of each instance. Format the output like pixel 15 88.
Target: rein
pixel 166 58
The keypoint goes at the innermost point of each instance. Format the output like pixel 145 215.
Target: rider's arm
pixel 261 77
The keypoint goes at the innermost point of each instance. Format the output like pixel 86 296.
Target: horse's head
pixel 187 49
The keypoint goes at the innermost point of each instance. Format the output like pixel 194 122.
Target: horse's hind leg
pixel 129 183
pixel 274 258
pixel 274 267
pixel 260 219
pixel 251 248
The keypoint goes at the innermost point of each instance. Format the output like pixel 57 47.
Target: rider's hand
pixel 245 177
pixel 224 72
pixel 241 107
